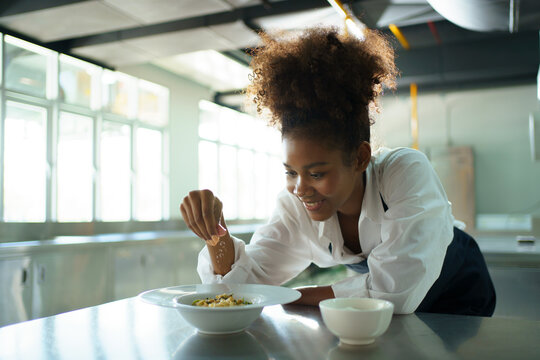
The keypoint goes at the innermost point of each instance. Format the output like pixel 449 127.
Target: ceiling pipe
pixel 352 23
pixel 477 15
pixel 513 15
pixel 434 32
pixel 399 35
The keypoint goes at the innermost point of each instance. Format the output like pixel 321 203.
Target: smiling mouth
pixel 313 205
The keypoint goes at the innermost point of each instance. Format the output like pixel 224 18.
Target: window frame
pixel 54 106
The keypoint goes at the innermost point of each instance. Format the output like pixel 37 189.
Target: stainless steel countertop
pixel 506 245
pixel 507 252
pixel 131 329
pixel 15 247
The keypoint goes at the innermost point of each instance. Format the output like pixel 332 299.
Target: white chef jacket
pixel 404 246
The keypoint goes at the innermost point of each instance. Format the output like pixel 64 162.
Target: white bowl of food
pixel 220 308
pixel 356 321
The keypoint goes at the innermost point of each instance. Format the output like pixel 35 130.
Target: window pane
pixel 227 181
pixel 25 163
pixel 153 103
pixel 119 92
pixel 115 172
pixel 272 138
pixel 246 129
pixel 74 168
pixel 260 180
pixel 26 69
pixel 208 166
pixel 259 133
pixel 76 81
pixel 228 126
pixel 276 182
pixel 148 202
pixel 246 186
pixel 208 120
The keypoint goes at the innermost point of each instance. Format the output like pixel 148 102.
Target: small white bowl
pixel 356 321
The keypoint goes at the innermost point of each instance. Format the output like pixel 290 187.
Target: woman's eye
pixel 317 175
pixel 290 173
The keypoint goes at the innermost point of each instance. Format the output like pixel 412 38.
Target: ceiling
pixel 444 51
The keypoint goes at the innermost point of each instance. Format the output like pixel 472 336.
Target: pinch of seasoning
pixel 214 241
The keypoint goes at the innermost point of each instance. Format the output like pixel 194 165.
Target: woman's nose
pixel 301 189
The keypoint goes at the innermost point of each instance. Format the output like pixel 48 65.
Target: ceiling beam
pixel 16 7
pixel 243 14
pixel 37 42
pixel 240 56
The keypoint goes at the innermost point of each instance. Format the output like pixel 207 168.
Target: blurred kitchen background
pixel 111 111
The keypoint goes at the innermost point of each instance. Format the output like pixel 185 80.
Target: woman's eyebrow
pixel 308 166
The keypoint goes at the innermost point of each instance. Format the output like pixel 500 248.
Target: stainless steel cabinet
pixel 69 279
pixel 15 289
pixel 141 267
pixel 47 280
pixel 518 292
pixel 185 257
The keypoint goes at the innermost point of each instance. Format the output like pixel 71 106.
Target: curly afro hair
pixel 321 84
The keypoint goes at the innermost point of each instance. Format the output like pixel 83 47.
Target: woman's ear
pixel 363 156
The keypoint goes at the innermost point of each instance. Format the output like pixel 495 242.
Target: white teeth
pixel 312 205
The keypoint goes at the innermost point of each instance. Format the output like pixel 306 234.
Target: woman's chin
pixel 319 216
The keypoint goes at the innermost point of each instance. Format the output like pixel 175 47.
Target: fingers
pixel 202 211
pixel 209 203
pixel 197 215
pixel 185 209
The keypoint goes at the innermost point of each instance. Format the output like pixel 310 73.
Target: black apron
pixel 464 286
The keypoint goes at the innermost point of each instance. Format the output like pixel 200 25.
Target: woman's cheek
pixel 327 187
pixel 290 186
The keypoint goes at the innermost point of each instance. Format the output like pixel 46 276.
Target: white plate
pixel 220 320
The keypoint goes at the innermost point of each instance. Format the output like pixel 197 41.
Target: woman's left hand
pixel 313 295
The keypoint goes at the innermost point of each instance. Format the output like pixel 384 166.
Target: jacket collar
pixel 372 207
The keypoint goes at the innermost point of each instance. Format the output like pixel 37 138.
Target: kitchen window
pixel 239 160
pixel 25 162
pixel 78 143
pixel 114 199
pixel 74 168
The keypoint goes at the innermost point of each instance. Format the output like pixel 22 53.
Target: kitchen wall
pixel 494 122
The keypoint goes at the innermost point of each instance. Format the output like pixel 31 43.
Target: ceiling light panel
pixel 209 68
pixel 179 42
pixel 299 20
pixel 237 34
pixel 114 54
pixel 69 21
pixel 158 11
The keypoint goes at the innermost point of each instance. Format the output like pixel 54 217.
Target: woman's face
pixel 320 179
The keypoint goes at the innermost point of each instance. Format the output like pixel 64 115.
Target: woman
pixel 384 214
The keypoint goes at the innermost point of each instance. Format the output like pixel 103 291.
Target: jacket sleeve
pixel 415 230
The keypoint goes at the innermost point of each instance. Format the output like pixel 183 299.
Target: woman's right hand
pixel 202 212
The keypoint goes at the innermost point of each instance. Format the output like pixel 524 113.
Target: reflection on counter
pixel 241 345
